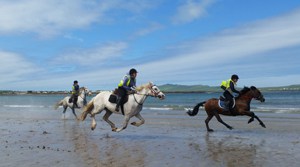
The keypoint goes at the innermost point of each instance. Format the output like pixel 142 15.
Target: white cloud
pixel 14 67
pixel 229 47
pixel 151 28
pixel 92 56
pixel 191 10
pixel 49 18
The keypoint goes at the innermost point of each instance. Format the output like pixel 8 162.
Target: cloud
pixel 50 18
pixel 191 10
pixel 14 67
pixel 92 56
pixel 151 28
pixel 231 47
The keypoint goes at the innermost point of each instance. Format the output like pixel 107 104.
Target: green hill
pixel 174 88
pixel 188 88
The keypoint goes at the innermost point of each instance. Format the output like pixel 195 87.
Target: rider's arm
pixel 232 88
pixel 124 83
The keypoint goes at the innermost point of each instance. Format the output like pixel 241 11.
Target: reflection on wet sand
pixel 230 150
pixel 104 150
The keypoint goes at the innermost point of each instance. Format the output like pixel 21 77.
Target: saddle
pixel 71 101
pixel 225 104
pixel 115 95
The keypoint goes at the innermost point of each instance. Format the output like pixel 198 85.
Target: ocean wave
pixel 157 108
pixel 276 110
pixel 24 106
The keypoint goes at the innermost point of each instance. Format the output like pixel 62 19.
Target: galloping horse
pixel 81 102
pixel 132 108
pixel 242 107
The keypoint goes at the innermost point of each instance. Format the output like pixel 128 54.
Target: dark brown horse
pixel 242 107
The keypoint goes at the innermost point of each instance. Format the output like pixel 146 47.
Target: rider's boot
pixel 230 107
pixel 118 104
pixel 75 105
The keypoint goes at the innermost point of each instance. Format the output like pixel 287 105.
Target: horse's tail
pixel 196 109
pixel 60 103
pixel 87 110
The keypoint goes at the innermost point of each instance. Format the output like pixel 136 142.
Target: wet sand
pixel 168 138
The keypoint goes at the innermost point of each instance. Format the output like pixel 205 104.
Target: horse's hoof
pixel 230 127
pixel 114 129
pixel 210 130
pixel 92 128
pixel 263 125
pixel 133 123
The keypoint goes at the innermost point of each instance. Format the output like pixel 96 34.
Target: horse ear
pixel 252 87
pixel 150 83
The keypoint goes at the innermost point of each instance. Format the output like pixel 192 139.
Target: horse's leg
pixel 260 122
pixel 105 118
pixel 252 115
pixel 95 111
pixel 64 112
pixel 221 121
pixel 125 123
pixel 140 118
pixel 209 117
pixel 94 123
pixel 73 110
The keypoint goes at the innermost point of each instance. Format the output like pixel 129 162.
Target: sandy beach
pixel 171 139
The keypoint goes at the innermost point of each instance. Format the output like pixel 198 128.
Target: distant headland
pixel 167 88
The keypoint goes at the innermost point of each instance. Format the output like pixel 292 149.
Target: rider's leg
pixel 122 94
pixel 75 98
pixel 229 98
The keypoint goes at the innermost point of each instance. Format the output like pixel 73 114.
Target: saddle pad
pixel 224 104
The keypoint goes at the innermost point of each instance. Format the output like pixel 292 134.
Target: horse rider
pixel 126 85
pixel 229 88
pixel 75 93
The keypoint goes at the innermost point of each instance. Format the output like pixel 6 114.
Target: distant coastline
pixel 167 88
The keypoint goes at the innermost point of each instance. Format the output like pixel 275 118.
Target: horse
pixel 81 102
pixel 132 107
pixel 242 107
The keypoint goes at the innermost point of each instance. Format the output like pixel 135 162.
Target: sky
pixel 46 45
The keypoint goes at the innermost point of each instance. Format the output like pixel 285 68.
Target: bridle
pixel 152 94
pixel 85 93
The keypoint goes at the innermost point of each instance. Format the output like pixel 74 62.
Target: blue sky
pixel 46 45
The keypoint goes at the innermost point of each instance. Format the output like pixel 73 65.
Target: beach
pixel 168 138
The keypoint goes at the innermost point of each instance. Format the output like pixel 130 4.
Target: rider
pixel 229 87
pixel 75 93
pixel 127 84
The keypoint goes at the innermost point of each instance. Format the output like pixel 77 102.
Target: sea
pixel 281 102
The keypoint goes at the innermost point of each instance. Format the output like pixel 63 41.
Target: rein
pixel 155 95
pixel 143 101
pixel 84 99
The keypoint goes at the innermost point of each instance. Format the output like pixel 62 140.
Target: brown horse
pixel 242 107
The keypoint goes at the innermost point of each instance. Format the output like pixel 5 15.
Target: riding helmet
pixel 75 81
pixel 234 76
pixel 132 71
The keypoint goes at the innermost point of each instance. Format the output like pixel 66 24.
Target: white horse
pixel 131 108
pixel 81 102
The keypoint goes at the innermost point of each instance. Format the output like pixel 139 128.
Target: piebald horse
pixel 132 107
pixel 242 107
pixel 81 102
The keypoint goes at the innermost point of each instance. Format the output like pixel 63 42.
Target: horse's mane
pixel 246 89
pixel 147 85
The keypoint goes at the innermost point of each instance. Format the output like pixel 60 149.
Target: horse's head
pixel 257 95
pixel 153 90
pixel 85 91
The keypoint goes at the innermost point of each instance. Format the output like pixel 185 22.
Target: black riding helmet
pixel 234 76
pixel 132 71
pixel 75 81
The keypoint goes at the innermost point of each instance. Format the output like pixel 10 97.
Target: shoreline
pixel 44 139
